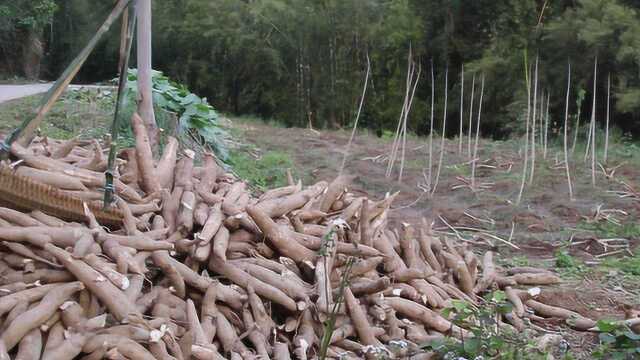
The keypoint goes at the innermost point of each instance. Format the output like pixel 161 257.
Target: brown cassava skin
pixel 281 351
pixel 112 297
pixel 139 209
pixel 33 318
pixel 243 279
pixel 221 243
pixel 46 219
pixel 359 319
pixel 162 259
pixel 278 207
pixel 294 290
pixel 256 337
pixel 129 171
pixel 138 242
pixel 170 206
pixel 228 336
pixel 101 266
pixel 488 273
pixel 260 316
pixel 65 148
pixel 536 279
pixel 305 338
pixel 335 188
pixel 211 226
pixel 225 293
pixel 209 174
pixel 280 192
pixel 365 286
pixel 144 156
pixel 57 180
pixel 185 214
pixel 55 337
pixel 166 165
pixel 8 302
pixel 184 171
pixel 200 213
pixel 424 315
pixel 280 237
pixel 30 346
pixel 126 347
pixel 18 218
pixel 512 296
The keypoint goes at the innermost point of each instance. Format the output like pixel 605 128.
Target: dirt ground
pixel 544 223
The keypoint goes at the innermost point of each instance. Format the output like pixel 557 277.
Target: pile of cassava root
pixel 195 267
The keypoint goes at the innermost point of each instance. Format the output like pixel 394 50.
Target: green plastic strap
pixel 109 189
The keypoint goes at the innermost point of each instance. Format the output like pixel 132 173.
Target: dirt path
pixel 10 92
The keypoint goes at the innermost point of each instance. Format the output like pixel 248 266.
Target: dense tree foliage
pixel 304 61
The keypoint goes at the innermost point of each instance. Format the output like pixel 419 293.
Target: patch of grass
pixel 268 171
pixel 569 266
pixel 606 229
pixel 87 113
pixel 627 265
pixel 520 261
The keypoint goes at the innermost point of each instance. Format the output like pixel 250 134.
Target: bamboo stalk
pixel 533 124
pixel 593 125
pixel 398 135
pixel 473 86
pixel 606 134
pixel 433 87
pixel 461 109
pixel 526 142
pixel 475 146
pixel 546 128
pixel 406 116
pixel 355 124
pixel 566 123
pixel 444 130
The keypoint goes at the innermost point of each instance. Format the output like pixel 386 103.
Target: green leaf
pixel 606 326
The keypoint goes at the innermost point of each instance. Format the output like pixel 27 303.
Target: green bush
pixel 196 118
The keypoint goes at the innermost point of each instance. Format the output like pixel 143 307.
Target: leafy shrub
pixel 196 118
pixel 617 342
pixel 489 341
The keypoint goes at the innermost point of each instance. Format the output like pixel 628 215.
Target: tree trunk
pixel 145 104
pixel 32 55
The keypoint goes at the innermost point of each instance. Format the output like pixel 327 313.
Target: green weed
pixel 268 171
pixel 489 341
pixel 569 266
pixel 617 342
